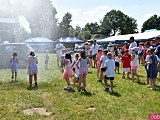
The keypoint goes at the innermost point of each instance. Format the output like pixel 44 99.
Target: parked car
pixel 6 52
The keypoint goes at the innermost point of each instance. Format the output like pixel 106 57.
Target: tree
pixel 152 23
pixel 64 25
pixel 41 17
pixel 130 26
pixel 112 22
pixel 115 21
pixel 92 27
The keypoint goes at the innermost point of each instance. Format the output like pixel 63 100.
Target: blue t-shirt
pixel 158 49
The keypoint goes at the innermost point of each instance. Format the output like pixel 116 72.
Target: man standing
pixel 157 52
pixel 59 48
pixel 94 51
pixel 132 44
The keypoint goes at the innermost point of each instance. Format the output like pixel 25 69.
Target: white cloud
pixel 81 17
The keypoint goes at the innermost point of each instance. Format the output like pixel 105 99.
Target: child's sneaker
pixel 79 90
pixel 67 88
pixel 36 84
pixel 123 77
pixel 107 89
pixel 84 90
pixel 99 80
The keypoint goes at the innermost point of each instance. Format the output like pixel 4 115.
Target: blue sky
pixel 86 11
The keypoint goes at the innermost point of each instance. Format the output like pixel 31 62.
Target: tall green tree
pixel 64 25
pixel 116 21
pixel 41 17
pixel 112 22
pixel 130 26
pixel 152 23
pixel 94 28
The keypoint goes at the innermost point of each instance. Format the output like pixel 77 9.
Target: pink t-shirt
pixel 98 56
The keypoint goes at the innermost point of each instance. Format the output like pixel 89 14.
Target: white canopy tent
pixel 138 37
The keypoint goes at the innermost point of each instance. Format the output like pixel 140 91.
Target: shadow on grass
pixel 141 83
pixel 157 88
pixel 115 94
pixel 88 94
pixel 69 90
pixel 33 88
pixel 90 72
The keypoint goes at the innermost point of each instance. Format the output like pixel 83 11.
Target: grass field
pixel 127 102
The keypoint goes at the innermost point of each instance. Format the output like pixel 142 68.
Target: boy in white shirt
pixel 110 72
pixel 102 61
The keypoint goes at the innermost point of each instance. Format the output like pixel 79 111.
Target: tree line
pixel 41 15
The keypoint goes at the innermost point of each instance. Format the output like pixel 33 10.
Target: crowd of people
pixel 108 60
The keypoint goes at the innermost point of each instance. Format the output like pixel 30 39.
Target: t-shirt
pixel 158 49
pixel 98 56
pixel 59 48
pixel 134 61
pixel 117 59
pixel 103 59
pixel 94 49
pixel 132 45
pixel 126 59
pixel 69 64
pixel 32 60
pixel 110 64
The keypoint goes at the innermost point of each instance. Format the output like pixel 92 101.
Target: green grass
pixel 128 102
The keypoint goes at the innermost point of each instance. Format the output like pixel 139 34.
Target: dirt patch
pixel 40 111
pixel 92 108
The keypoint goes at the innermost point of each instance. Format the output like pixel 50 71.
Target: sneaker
pixel 123 77
pixel 107 89
pixel 99 80
pixel 84 90
pixel 79 90
pixel 36 84
pixel 67 88
pixel 12 77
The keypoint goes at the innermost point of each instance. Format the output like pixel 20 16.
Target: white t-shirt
pixel 59 48
pixel 69 63
pixel 134 61
pixel 110 64
pixel 132 45
pixel 94 49
pixel 117 59
pixel 103 58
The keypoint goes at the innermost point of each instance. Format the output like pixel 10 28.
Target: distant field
pixel 127 102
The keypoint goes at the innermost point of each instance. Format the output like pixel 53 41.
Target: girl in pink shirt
pixel 98 56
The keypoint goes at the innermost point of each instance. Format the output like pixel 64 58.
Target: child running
pixel 75 68
pixel 109 65
pixel 83 64
pixel 102 61
pixel 14 65
pixel 117 61
pixel 32 68
pixel 68 71
pixel 98 56
pixel 126 59
pixel 134 64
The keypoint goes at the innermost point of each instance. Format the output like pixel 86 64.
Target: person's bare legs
pixel 132 75
pixel 79 82
pixel 15 76
pixel 35 79
pixel 30 80
pixel 84 81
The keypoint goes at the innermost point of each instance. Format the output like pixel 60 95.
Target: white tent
pixel 137 37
